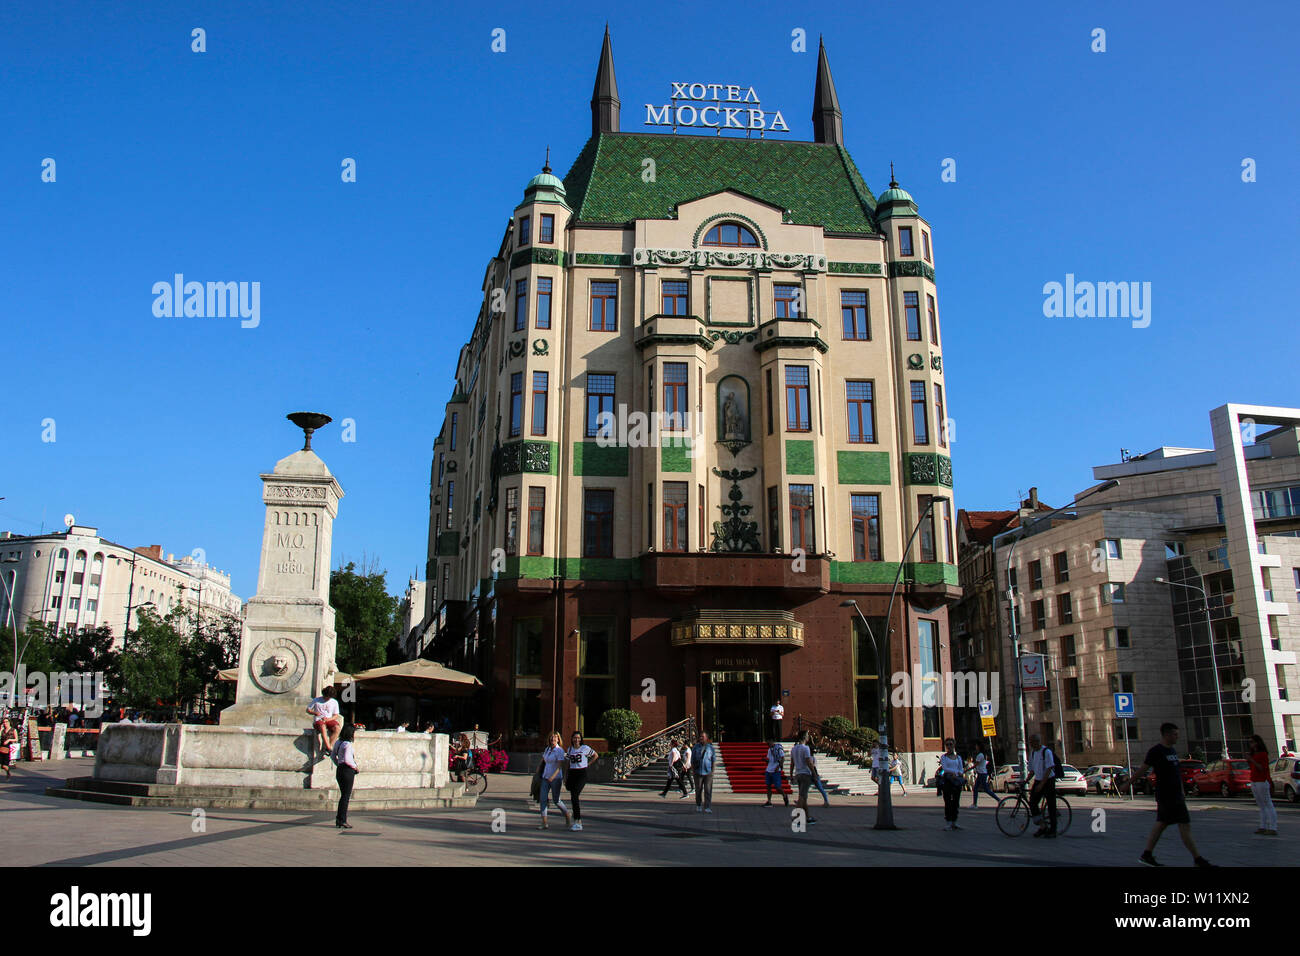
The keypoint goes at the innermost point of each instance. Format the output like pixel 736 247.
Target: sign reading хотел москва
pixel 737 107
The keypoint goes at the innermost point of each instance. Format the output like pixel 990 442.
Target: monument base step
pixel 123 794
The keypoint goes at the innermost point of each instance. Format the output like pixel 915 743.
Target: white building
pixel 76 579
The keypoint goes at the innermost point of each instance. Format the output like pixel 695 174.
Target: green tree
pixel 364 616
pixel 151 664
pixel 212 645
pixel 87 651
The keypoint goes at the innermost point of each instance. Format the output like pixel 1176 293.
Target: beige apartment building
pixel 703 404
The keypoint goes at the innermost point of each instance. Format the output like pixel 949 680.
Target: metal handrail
pixel 647 750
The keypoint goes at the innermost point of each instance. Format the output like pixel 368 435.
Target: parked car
pixel 1098 778
pixel 1006 779
pixel 1224 777
pixel 1186 768
pixel 1072 782
pixel 1286 778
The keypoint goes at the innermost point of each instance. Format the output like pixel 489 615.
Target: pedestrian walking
pixel 346 773
pixel 554 760
pixel 702 761
pixel 1042 764
pixel 802 767
pixel 772 775
pixel 981 767
pixel 675 775
pixel 580 757
pixel 1261 785
pixel 1171 803
pixel 687 769
pixel 8 745
pixel 896 770
pixel 950 778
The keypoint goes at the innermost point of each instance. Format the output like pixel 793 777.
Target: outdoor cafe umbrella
pixel 418 677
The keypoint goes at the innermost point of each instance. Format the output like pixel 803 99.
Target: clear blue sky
pixel 1115 166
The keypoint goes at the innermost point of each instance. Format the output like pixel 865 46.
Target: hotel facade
pixel 702 406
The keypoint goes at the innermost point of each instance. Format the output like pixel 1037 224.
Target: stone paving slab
pixel 622 827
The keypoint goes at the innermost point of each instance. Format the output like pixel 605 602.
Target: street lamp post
pixel 1214 660
pixel 1011 602
pixel 884 797
pixel 130 591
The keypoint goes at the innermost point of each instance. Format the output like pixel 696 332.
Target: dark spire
pixel 828 122
pixel 893 183
pixel 604 98
pixel 546 167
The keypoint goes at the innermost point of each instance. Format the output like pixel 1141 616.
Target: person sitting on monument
pixel 325 710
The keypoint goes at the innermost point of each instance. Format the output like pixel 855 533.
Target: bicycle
pixel 475 780
pixel 1013 814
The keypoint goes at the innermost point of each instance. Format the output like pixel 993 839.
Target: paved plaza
pixel 622 827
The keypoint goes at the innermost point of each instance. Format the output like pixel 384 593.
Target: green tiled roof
pixel 818 183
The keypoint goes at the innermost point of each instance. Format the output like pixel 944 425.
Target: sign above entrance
pixel 715 106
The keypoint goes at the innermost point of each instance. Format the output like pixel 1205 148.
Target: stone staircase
pixel 257 798
pixel 652 776
pixel 842 777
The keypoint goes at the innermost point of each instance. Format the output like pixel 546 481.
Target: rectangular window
pixel 541 385
pixel 604 307
pixel 446 581
pixel 700 544
pixel 547 233
pixel 940 419
pixel 600 399
pixel 927 528
pixel 598 524
pixel 1112 593
pixel 92 606
pixel 925 244
pixel 769 402
pixel 920 425
pixel 516 403
pixel 798 416
pixel 56 601
pixel 1112 548
pixel 676 410
pixel 527 654
pixel 58 577
pixel 866 527
pixel 1039 615
pixel 74 604
pixel 512 521
pixel 543 303
pixel 536 520
pixel 1065 609
pixel 675 502
pixel 1061 565
pixel 525 228
pixel 521 305
pixel 1035 575
pixel 802 529
pixel 1072 693
pixel 927 633
pixel 945 510
pixel 674 295
pixel 905 241
pixel 853 309
pixel 451 496
pixel 912 310
pixel 1117 637
pixel 454 417
pixel 934 319
pixel 861 398
pixel 774 518
pixel 597 670
pixel 786 301
pixel 1068 655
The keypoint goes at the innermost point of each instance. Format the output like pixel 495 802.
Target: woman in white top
pixel 951 773
pixel 676 769
pixel 553 761
pixel 346 774
pixel 580 757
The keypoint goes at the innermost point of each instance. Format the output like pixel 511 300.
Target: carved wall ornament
pixel 278 665
pixel 541 347
pixel 936 362
pixel 916 361
pixel 735 534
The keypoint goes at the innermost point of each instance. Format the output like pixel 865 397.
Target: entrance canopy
pixel 738 627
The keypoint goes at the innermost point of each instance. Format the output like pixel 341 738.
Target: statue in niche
pixel 733 413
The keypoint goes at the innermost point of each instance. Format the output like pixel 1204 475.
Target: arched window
pixel 730 234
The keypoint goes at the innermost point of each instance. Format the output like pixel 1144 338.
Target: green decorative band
pixel 601 259
pixel 799 458
pixel 675 339
pixel 589 458
pixel 530 457
pixel 675 457
pixel 448 544
pixel 792 341
pixel 575 569
pixel 538 256
pixel 854 268
pixel 862 467
pixel 724 216
pixel 884 572
pixel 911 268
pixel 528 567
pixel 927 468
pixel 731 338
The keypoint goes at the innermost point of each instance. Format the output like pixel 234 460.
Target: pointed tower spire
pixel 604 98
pixel 828 122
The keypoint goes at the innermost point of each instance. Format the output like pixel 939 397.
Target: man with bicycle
pixel 1042 764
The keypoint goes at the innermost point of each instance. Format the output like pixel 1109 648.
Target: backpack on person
pixel 1058 768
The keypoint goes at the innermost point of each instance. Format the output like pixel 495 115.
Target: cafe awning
pixel 419 677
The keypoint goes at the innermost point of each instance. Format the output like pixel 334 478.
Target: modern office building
pixel 702 406
pixel 77 579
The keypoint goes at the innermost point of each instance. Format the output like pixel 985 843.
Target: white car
pixel 1073 782
pixel 1286 778
pixel 1098 778
pixel 1006 779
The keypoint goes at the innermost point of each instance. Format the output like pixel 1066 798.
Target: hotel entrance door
pixel 735 704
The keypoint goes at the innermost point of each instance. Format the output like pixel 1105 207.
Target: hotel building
pixel 779 328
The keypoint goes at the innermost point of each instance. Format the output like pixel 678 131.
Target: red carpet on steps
pixel 745 764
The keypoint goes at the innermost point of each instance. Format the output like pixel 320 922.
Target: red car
pixel 1187 768
pixel 1224 777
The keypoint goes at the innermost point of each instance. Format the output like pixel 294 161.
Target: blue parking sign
pixel 1125 706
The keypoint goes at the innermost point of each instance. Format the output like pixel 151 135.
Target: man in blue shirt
pixel 702 761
